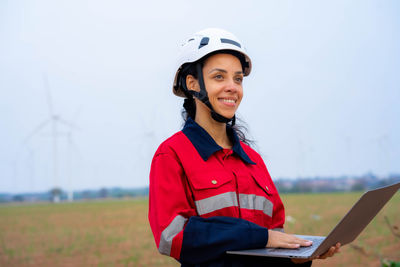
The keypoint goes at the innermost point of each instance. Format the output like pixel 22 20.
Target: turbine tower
pixel 54 120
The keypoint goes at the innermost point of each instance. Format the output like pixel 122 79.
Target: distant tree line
pixel 300 185
pixel 340 184
pixel 58 193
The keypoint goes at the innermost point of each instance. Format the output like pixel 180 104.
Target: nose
pixel 232 86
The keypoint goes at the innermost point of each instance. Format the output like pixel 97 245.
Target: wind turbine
pixel 54 120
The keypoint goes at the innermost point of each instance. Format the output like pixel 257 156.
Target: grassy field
pixel 116 233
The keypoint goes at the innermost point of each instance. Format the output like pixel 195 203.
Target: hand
pixel 281 240
pixel 332 251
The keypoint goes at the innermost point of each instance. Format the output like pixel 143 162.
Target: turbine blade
pixel 68 123
pixel 36 130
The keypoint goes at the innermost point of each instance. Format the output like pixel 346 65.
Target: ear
pixel 192 83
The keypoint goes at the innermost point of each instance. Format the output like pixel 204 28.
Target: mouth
pixel 231 101
pixel 228 102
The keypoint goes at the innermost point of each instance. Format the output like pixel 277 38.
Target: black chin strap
pixel 203 97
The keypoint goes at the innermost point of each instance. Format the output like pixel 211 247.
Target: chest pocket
pixel 257 199
pixel 213 191
pixel 264 184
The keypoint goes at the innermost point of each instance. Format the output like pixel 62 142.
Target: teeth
pixel 229 100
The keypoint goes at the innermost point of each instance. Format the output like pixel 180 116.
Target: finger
pixel 327 254
pixel 288 240
pixel 291 245
pixel 336 248
pixel 331 251
pixel 306 243
pixel 288 245
pixel 302 242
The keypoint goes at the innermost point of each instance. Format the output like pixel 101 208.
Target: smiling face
pixel 223 76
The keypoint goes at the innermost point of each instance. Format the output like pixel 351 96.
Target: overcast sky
pixel 323 98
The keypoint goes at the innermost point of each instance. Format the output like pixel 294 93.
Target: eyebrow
pixel 224 71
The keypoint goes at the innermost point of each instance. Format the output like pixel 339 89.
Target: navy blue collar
pixel 205 144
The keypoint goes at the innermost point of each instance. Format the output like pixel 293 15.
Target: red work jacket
pixel 192 176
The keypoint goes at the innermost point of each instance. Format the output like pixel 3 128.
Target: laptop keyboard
pixel 309 250
pixel 302 251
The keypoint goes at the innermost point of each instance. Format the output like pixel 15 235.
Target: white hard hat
pixel 203 43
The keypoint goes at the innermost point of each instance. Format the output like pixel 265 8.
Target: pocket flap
pixel 263 182
pixel 207 180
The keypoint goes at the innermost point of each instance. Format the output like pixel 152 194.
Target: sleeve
pixel 169 206
pixel 207 239
pixel 179 232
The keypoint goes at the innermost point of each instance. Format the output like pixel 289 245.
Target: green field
pixel 116 233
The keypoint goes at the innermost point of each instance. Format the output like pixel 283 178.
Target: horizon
pixel 277 180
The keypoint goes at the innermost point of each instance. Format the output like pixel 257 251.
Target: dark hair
pixel 189 105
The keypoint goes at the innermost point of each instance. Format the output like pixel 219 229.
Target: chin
pixel 229 115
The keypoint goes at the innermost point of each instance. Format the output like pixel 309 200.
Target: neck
pixel 217 130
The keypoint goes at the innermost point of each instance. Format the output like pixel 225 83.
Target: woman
pixel 209 191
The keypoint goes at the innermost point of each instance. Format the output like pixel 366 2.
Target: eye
pixel 218 77
pixel 239 79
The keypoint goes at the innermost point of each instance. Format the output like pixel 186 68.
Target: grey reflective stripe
pixel 217 202
pixel 169 233
pixel 254 202
pixel 279 230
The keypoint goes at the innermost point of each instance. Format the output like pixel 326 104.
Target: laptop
pixel 351 225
